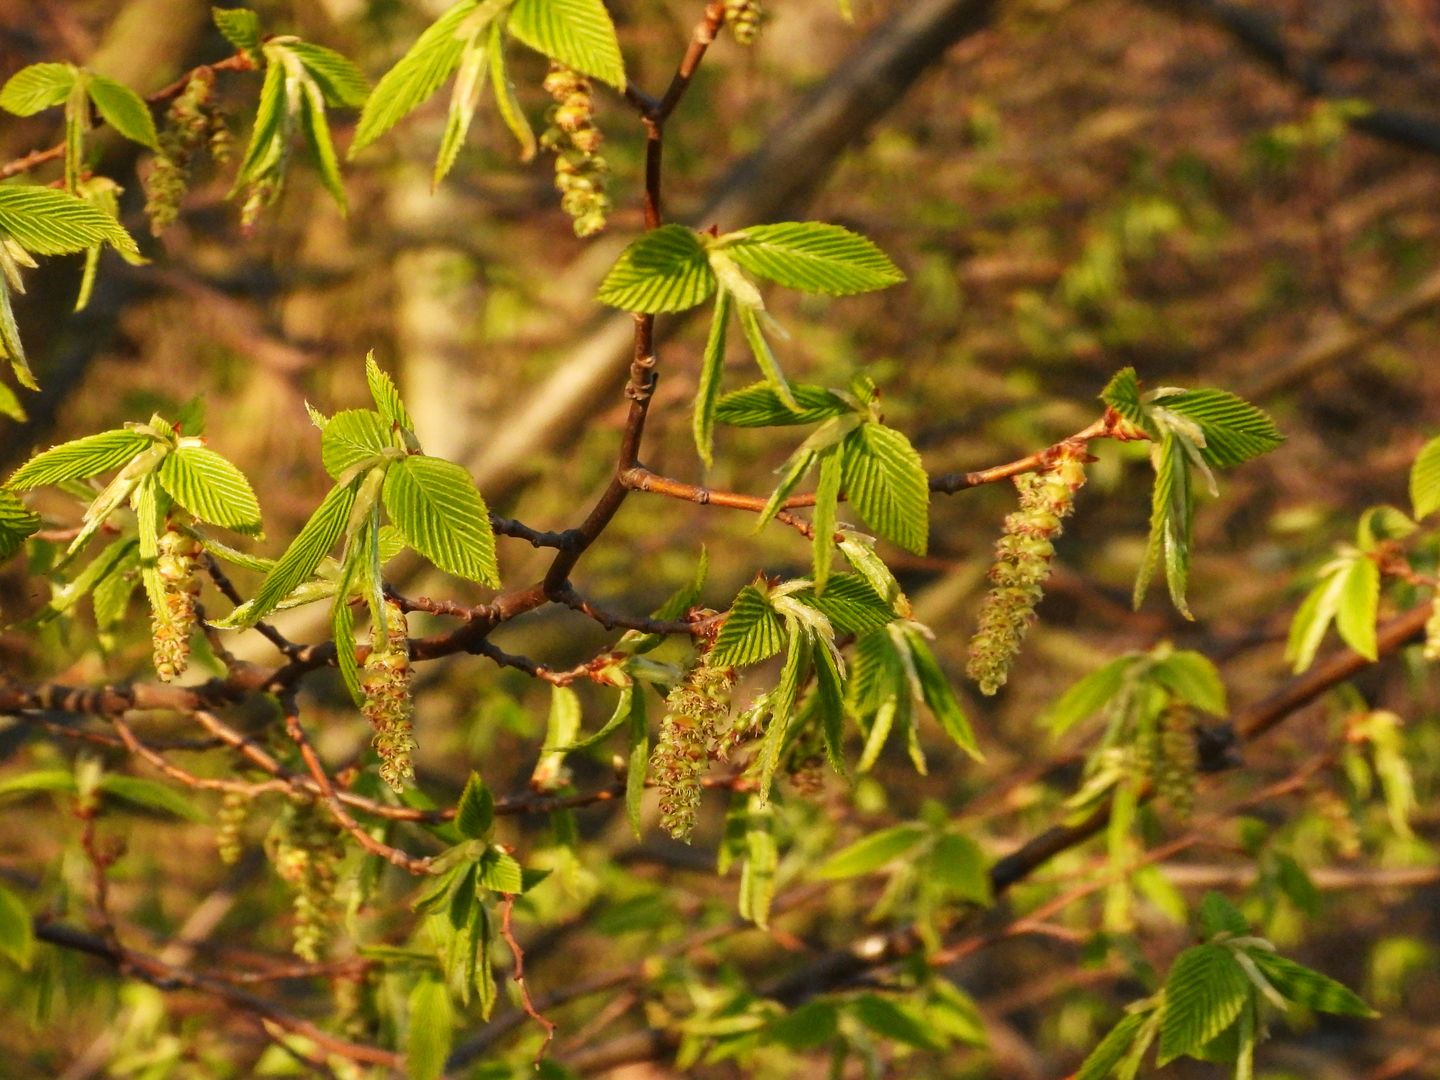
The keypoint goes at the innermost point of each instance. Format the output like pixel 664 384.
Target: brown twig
pixel 507 906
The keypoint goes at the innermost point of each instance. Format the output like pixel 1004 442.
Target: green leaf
pixel 509 105
pixel 1313 617
pixel 37 87
pixel 664 270
pixel 352 437
pixel 342 629
pixel 813 257
pixel 1204 994
pixel 500 872
pixel 441 514
pixel 890 1020
pixel 762 857
pixel 1358 606
pixel 149 524
pixel 758 405
pixel 342 83
pixel 872 852
pixel 957 863
pixel 303 555
pixel 417 75
pixel 1235 431
pixel 1122 394
pixel 431 1030
pixel 827 499
pixel 712 368
pixel 10 404
pixel 148 795
pixel 78 459
pixel 1171 523
pixel 316 129
pixel 52 780
pixel 44 221
pixel 1425 480
pixel 1192 678
pixel 940 697
pixel 123 109
pixel 1086 697
pixel 752 631
pixel 464 99
pixel 764 356
pixel 578 33
pixel 17 933
pixel 1219 916
pixel 475 813
pixel 810 1026
pixel 1380 524
pixel 386 396
pixel 1112 1049
pixel 211 488
pixel 1307 987
pixel 64 597
pixel 11 345
pixel 886 483
pixel 272 123
pixel 16 523
pixel 780 704
pixel 240 27
pixel 850 603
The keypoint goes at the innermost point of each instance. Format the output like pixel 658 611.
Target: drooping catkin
pixel 229 837
pixel 581 173
pixel 743 18
pixel 693 711
pixel 1022 563
pixel 1177 763
pixel 388 706
pixel 306 850
pixel 170 630
pixel 190 121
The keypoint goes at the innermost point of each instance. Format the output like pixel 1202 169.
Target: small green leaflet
pixel 811 256
pixel 123 109
pixel 1122 394
pixel 475 812
pixel 240 27
pixel 353 437
pixel 578 33
pixel 342 83
pixel 386 396
pixel 1113 1048
pixel 1348 594
pixel 1172 508
pixel 886 483
pixel 211 488
pixel 762 858
pixel 873 852
pixel 17 933
pixel 431 1030
pixel 464 98
pixel 1235 431
pixel 442 515
pixel 505 99
pixel 44 221
pixel 37 87
pixel 1425 480
pixel 1204 994
pixel 1307 987
pixel 667 269
pixel 752 631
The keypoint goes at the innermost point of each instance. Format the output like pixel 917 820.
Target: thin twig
pixel 507 906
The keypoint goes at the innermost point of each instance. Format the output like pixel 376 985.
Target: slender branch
pixel 507 907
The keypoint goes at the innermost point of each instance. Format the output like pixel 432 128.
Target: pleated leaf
pixel 850 603
pixel 1308 987
pixel 1204 994
pixel 441 514
pixel 872 852
pixel 343 84
pixel 78 459
pixel 351 437
pixel 385 395
pixel 886 483
pixel 712 367
pixel 123 109
pixel 509 105
pixel 752 631
pixel 240 27
pixel 758 405
pixel 316 129
pixel 1235 431
pixel 1112 1049
pixel 1122 394
pixel 578 33
pixel 1171 522
pixel 16 523
pixel 940 697
pixel 664 270
pixel 211 488
pixel 1425 480
pixel 44 221
pixel 464 100
pixel 827 497
pixel 431 1029
pixel 37 87
pixel 303 555
pixel 1359 603
pixel 418 74
pixel 813 257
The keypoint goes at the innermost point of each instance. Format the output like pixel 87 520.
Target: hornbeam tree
pixel 360 777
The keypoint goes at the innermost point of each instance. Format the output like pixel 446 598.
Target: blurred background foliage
pixel 1075 187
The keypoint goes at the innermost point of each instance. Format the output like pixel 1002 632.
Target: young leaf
pixel 342 629
pixel 1307 987
pixel 123 109
pixel 17 932
pixel 78 459
pixel 418 74
pixel 578 33
pixel 1204 994
pixel 889 1020
pixel 16 523
pixel 64 597
pixel 1192 678
pixel 886 483
pixel 342 83
pixel 712 367
pixel 1171 523
pixel 758 405
pixel 1112 1049
pixel 11 346
pixel 762 856
pixel 1425 480
pixel 385 395
pixel 1086 697
pixel 148 795
pixel 239 26
pixel 316 129
pixel 272 125
pixel 44 221
pixel 37 87
pixel 1122 394
pixel 760 348
pixel 1312 619
pixel 637 763
pixel 1235 431
pixel 872 852
pixel 464 99
pixel 812 257
pixel 431 1030
pixel 10 404
pixel 751 633
pixel 940 697
pixel 303 555
pixel 850 603
pixel 441 514
pixel 1359 602
pixel 509 105
pixel 352 437
pixel 211 488
pixel 1219 916
pixel 662 271
pixel 827 497
pixel 475 813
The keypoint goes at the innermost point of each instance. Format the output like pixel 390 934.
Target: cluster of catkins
pixel 693 711
pixel 386 682
pixel 190 121
pixel 306 851
pixel 170 630
pixel 744 17
pixel 1022 563
pixel 581 172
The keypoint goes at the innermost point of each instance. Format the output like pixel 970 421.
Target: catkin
pixel 581 173
pixel 743 18
pixel 170 630
pixel 388 706
pixel 306 851
pixel 693 711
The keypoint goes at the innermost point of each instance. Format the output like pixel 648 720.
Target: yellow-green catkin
pixel 306 850
pixel 1022 563
pixel 581 172
pixel 744 17
pixel 388 706
pixel 188 123
pixel 170 630
pixel 230 836
pixel 1174 770
pixel 693 712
